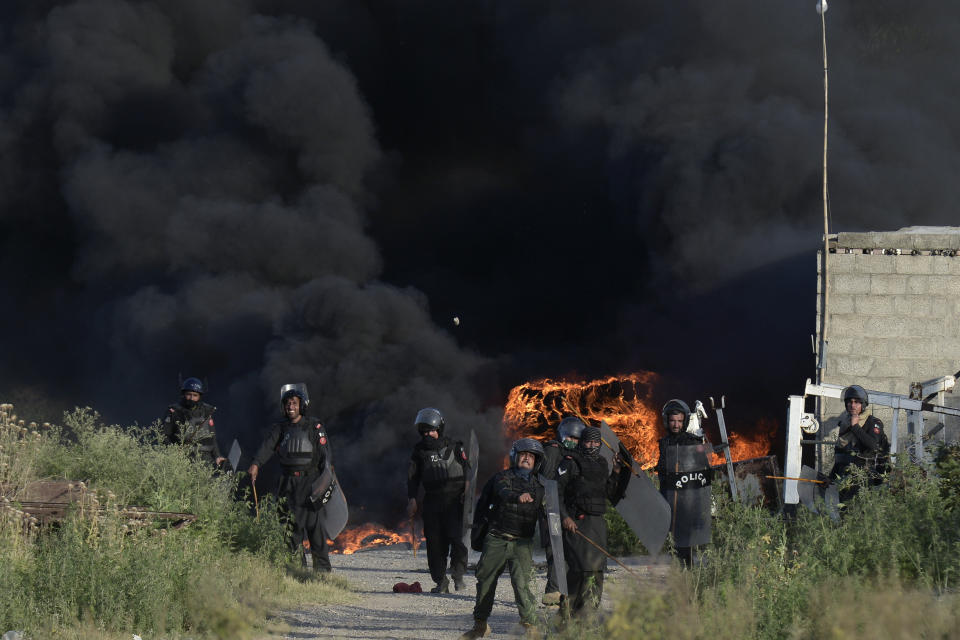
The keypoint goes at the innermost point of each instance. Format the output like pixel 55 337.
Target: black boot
pixel 442 587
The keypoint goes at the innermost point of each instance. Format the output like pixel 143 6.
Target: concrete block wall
pixel 893 316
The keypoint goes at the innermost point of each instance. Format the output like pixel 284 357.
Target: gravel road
pixel 380 613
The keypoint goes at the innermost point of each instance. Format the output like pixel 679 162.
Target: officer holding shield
pixel 568 435
pixel 585 484
pixel 684 472
pixel 302 448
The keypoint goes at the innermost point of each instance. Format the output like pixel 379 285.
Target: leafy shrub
pixel 98 569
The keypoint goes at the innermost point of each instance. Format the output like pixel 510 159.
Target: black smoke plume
pixel 262 192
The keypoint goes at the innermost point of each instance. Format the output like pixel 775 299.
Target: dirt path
pixel 380 613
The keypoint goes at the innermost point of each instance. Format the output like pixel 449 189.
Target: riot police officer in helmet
pixel 861 442
pixel 190 423
pixel 440 465
pixel 683 468
pixel 568 436
pixel 515 505
pixel 302 448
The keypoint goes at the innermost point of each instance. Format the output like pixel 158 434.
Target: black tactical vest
pixel 515 518
pixel 193 427
pixel 297 447
pixel 588 491
pixel 439 466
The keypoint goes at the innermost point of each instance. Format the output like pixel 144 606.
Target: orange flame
pixel 624 402
pixel 369 536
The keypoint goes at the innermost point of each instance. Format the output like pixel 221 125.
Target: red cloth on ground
pixel 403 587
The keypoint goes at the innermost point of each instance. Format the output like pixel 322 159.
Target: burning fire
pixel 370 535
pixel 624 402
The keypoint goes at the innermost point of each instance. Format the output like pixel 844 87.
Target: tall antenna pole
pixel 825 290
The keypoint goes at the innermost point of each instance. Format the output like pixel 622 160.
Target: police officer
pixel 676 419
pixel 861 442
pixel 568 435
pixel 440 465
pixel 190 423
pixel 585 483
pixel 302 448
pixel 516 503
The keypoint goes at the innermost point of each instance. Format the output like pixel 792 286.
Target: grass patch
pixel 98 573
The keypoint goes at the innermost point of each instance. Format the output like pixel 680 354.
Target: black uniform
pixel 552 454
pixel 193 427
pixel 864 446
pixel 681 518
pixel 585 483
pixel 303 451
pixel 440 465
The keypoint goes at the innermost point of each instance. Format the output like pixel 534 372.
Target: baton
pixel 256 503
pixel 604 552
pixel 797 479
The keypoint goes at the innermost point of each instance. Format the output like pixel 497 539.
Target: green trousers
pixel 517 555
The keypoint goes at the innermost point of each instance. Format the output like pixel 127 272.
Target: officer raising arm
pixel 516 505
pixel 439 464
pixel 190 423
pixel 301 446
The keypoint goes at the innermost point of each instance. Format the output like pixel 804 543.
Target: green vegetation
pixel 887 568
pixel 101 574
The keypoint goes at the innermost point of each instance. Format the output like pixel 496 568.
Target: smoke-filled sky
pixel 261 192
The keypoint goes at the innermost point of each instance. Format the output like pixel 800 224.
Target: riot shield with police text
pixel 552 507
pixel 642 507
pixel 685 481
pixel 327 494
pixel 470 487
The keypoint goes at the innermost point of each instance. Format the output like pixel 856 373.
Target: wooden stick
pixel 604 552
pixel 256 503
pixel 798 479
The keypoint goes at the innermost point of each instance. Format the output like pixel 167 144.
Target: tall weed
pixel 100 569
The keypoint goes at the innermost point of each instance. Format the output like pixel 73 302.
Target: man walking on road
pixel 516 502
pixel 440 465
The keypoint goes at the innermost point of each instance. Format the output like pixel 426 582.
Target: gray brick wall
pixel 893 315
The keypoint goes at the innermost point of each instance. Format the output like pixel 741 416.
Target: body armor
pixel 510 516
pixel 440 466
pixel 587 492
pixel 192 427
pixel 301 445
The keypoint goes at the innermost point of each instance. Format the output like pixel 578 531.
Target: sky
pixel 257 192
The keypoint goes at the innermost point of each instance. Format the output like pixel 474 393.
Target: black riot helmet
pixel 856 392
pixel 676 406
pixel 300 390
pixel 530 445
pixel 429 419
pixel 570 427
pixel 192 384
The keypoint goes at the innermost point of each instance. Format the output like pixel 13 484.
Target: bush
pixel 98 569
pixel 886 569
